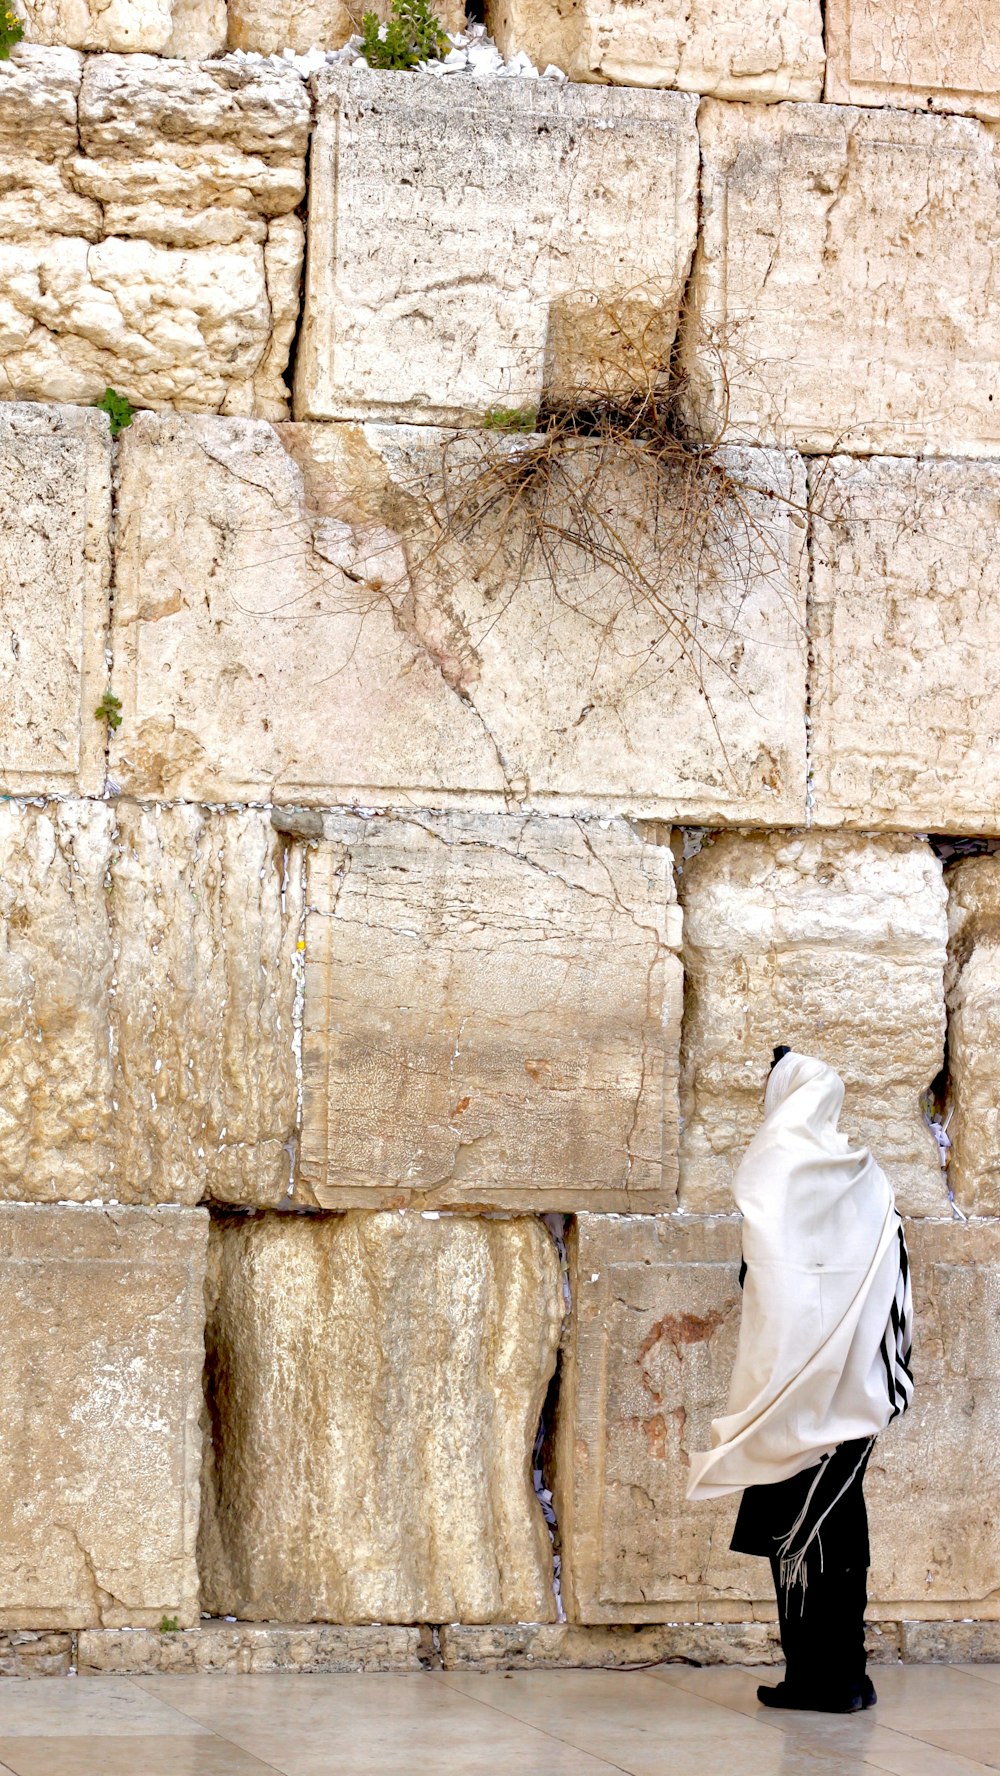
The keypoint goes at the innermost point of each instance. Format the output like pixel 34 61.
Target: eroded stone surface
pixel 337 635
pixel 237 1647
pixel 206 912
pixel 147 240
pixel 831 943
pixel 945 58
pixel 168 27
pixel 951 1643
pixel 374 1386
pixel 492 1014
pixel 55 527
pixel 971 983
pixel 527 1646
pixel 102 1315
pixel 905 704
pixel 759 51
pixel 454 308
pixel 813 218
pixel 27 1654
pixel 303 24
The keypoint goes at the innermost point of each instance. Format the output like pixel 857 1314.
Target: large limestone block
pixel 305 630
pixel 492 1014
pixel 206 911
pixel 507 211
pixel 56 969
pixel 736 51
pixel 55 566
pixel 101 1313
pixel 155 26
pixel 301 25
pixel 835 945
pixel 905 704
pixel 374 1387
pixel 845 291
pixel 944 57
pixel 971 983
pixel 150 242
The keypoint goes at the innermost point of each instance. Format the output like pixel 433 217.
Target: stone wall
pixel 532 649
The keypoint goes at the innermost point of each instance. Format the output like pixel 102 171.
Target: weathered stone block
pixel 813 218
pixel 451 308
pixel 941 58
pixel 206 912
pixel 405 657
pixel 395 1366
pixel 56 967
pixel 904 683
pixel 833 944
pixel 536 1646
pixel 101 1320
pixel 147 239
pixel 35 1655
pixel 951 1643
pixel 249 1647
pixel 971 982
pixel 269 28
pixel 750 51
pixel 492 1014
pixel 55 527
pixel 155 26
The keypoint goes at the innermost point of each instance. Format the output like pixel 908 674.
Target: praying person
pixel 822 1366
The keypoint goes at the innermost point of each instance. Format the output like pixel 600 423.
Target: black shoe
pixel 782 1695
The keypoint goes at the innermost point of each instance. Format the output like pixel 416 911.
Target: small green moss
pixel 168 1625
pixel 11 30
pixel 118 409
pixel 109 709
pixel 510 419
pixel 412 34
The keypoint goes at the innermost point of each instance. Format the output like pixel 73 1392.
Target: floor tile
pixel 991 1673
pixel 197 1754
pixel 979 1744
pixel 75 1706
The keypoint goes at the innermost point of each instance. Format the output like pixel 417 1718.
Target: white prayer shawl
pixel 824 1338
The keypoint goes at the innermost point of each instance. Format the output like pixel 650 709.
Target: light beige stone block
pixel 951 1643
pixel 751 51
pixel 906 658
pixel 814 219
pixel 492 1014
pixel 944 57
pixel 55 565
pixel 406 660
pixel 101 1314
pixel 206 911
pixel 235 1648
pixel 375 1382
pixel 834 944
pixel 306 24
pixel 540 1646
pixel 971 983
pixel 457 304
pixel 56 967
pixel 148 243
pixel 36 1654
pixel 155 27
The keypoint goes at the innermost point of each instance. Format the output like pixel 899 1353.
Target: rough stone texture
pixel 101 1321
pixel 146 233
pixel 951 1643
pixel 971 981
pixel 831 942
pixel 750 51
pixel 170 27
pixel 813 218
pixel 940 58
pixel 237 1647
pixel 451 308
pixel 302 633
pixel 302 24
pixel 207 915
pixel 374 1386
pixel 940 1555
pixel 518 1646
pixel 56 965
pixel 905 584
pixel 492 1014
pixel 55 525
pixel 35 1655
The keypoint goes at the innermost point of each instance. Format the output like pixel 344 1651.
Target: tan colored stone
pixel 237 1647
pixel 813 219
pixel 527 1646
pixel 374 1384
pixel 207 912
pixel 492 1014
pixel 307 24
pixel 832 943
pixel 906 659
pixel 443 672
pixel 56 964
pixel 750 51
pixel 455 306
pixel 99 1447
pixel 35 1655
pixel 167 27
pixel 971 984
pixel 55 565
pixel 197 28
pixel 931 1482
pixel 951 1643
pixel 148 242
pixel 902 53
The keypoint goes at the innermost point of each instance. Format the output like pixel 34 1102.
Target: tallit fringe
pixel 792 1567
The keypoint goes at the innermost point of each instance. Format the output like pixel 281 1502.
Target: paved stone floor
pixel 932 1720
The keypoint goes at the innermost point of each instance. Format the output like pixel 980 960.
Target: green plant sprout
pixel 510 419
pixel 168 1625
pixel 118 409
pixel 11 31
pixel 412 34
pixel 109 709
